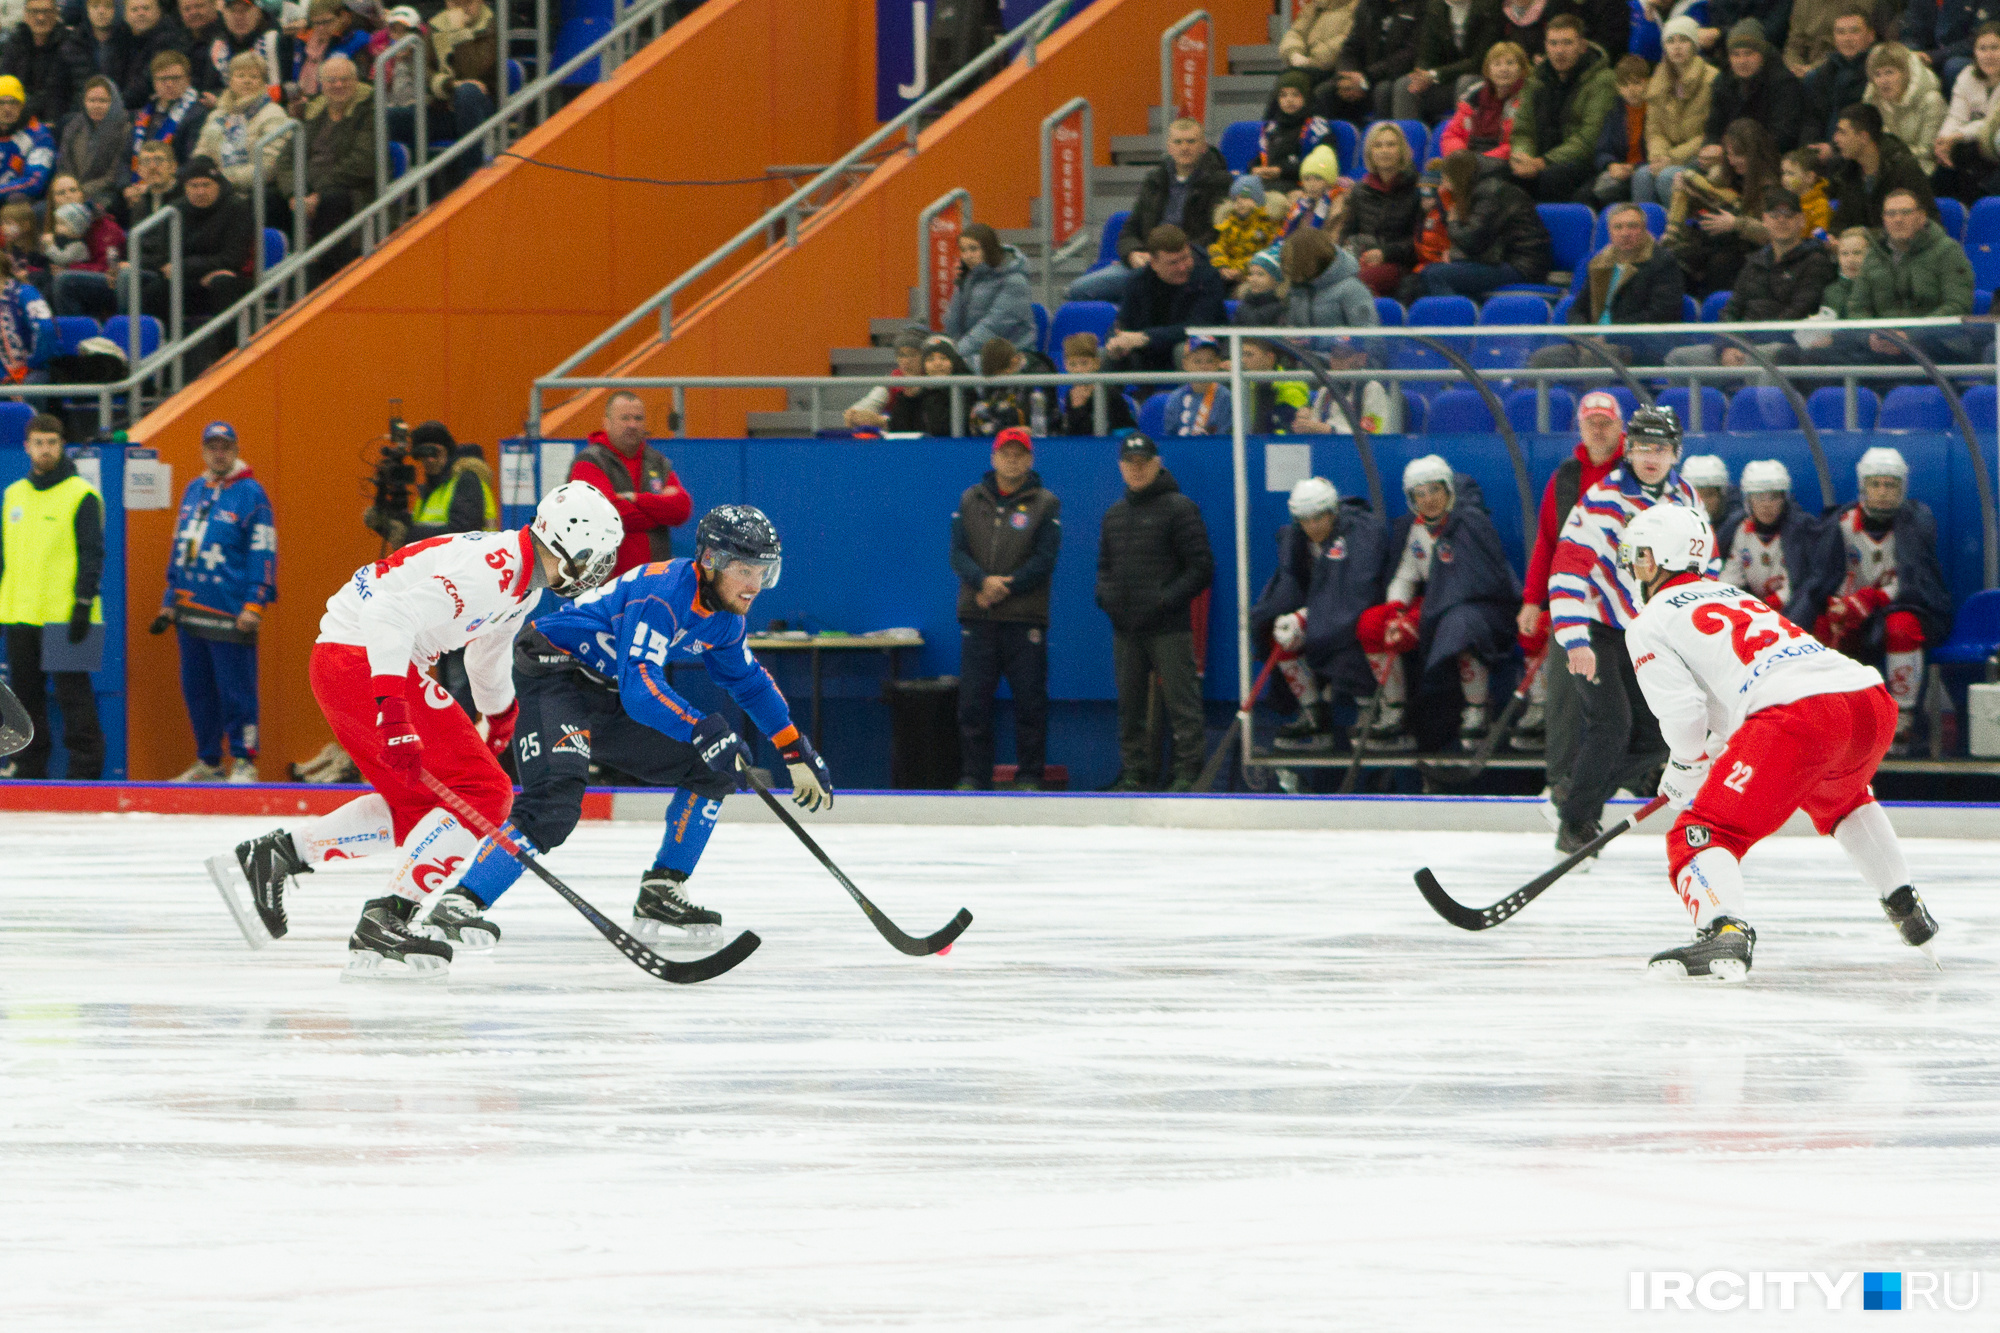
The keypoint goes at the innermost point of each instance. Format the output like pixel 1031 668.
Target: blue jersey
pixel 225 554
pixel 630 629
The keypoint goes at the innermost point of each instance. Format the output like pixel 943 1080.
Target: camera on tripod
pixel 394 476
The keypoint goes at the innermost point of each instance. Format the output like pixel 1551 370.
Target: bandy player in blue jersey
pixel 591 679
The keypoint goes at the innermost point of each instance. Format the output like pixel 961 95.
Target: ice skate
pixel 1312 729
pixel 1720 951
pixel 388 944
pixel 268 863
pixel 459 917
pixel 1572 836
pixel 1530 734
pixel 242 771
pixel 1907 913
pixel 1385 735
pixel 198 772
pixel 1472 724
pixel 662 916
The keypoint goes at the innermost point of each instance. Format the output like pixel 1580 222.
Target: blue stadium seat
pixel 14 419
pixel 1711 309
pixel 1041 326
pixel 71 330
pixel 399 160
pixel 516 76
pixel 1079 317
pixel 1951 216
pixel 1389 312
pixel 1107 242
pixel 1514 308
pixel 1561 315
pixel 1415 133
pixel 1241 143
pixel 1347 147
pixel 1152 416
pixel 1416 409
pixel 1975 631
pixel 1982 243
pixel 1509 351
pixel 1458 412
pixel 1690 310
pixel 1981 402
pixel 1520 406
pixel 1229 308
pixel 1569 234
pixel 1656 222
pixel 1761 407
pixel 1828 407
pixel 1982 301
pixel 1443 312
pixel 276 247
pixel 1714 407
pixel 1914 407
pixel 118 330
pixel 1645 36
pixel 1628 402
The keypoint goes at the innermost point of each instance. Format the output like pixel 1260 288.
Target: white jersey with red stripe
pixel 1708 655
pixel 469 590
pixel 1756 564
pixel 1871 560
pixel 1413 571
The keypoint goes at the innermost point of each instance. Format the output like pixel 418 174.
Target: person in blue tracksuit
pixel 222 575
pixel 592 683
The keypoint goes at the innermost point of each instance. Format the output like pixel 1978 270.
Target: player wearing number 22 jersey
pixel 1762 719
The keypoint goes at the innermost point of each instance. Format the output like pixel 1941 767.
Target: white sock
pixel 436 856
pixel 1906 677
pixel 1538 688
pixel 1472 679
pixel 360 828
pixel 1711 885
pixel 1388 668
pixel 1869 841
pixel 1299 677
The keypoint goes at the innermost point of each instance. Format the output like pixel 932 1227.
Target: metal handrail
pixel 169 217
pixel 1167 40
pixel 1050 124
pixel 920 298
pixel 1028 35
pixel 386 64
pixel 294 130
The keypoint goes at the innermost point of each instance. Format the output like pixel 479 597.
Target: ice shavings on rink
pixel 1167 1080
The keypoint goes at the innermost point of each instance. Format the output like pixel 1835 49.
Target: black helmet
pixel 1654 423
pixel 732 533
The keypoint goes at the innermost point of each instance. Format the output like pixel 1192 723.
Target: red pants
pixel 1818 754
pixel 454 753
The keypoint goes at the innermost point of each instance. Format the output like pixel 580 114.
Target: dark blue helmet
pixel 738 533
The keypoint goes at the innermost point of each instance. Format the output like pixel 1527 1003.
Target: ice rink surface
pixel 1166 1081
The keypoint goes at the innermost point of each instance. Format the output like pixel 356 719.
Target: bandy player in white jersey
pixel 1800 726
pixel 382 632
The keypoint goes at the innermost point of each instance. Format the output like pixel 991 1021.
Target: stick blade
pixel 709 967
pixel 943 939
pixel 1457 913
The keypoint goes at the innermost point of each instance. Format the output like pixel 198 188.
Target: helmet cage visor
pixel 715 561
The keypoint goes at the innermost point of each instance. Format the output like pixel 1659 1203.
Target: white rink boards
pixel 1168 1079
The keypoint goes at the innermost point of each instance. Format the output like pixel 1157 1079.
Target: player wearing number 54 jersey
pixel 1798 726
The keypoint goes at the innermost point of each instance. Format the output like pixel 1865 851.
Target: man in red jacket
pixel 638 479
pixel 1600 424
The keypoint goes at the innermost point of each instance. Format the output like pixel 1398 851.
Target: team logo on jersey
pixel 575 740
pixel 1444 553
pixel 1337 551
pixel 430 874
pixel 457 602
pixel 1697 836
pixel 473 625
pixel 1019 520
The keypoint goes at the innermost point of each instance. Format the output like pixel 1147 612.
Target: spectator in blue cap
pixel 1203 407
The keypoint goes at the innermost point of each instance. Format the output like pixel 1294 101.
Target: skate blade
pixel 235 891
pixel 418 968
pixel 1667 969
pixel 661 935
pixel 474 941
pixel 1729 971
pixel 1929 950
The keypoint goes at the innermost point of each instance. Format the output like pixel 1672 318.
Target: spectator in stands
pixel 1332 559
pixel 1321 198
pixel 39 54
pixel 1384 210
pixel 1632 280
pixel 1381 48
pixel 992 298
pixel 1244 227
pixel 1201 407
pixel 928 411
pixel 81 291
pixel 1562 113
pixel 1319 30
pixel 1914 270
pixel 1484 120
pixel 1181 192
pixel 79 238
pixel 1772 543
pixel 465 41
pixel 1808 38
pixel 201 29
pixel 1874 588
pixel 1005 536
pixel 27 329
pixel 1173 291
pixel 638 479
pixel 157 183
pixel 333 32
pixel 246 29
pixel 400 85
pixel 27 149
pixel 222 573
pixel 1291 131
pixel 1524 23
pixel 872 412
pixel 1799 172
pixel 1872 166
pixel 1449 601
pixel 1947 33
pixel 1784 280
pixel 1677 106
pixel 1621 144
pixel 51 563
pixel 151 34
pixel 1325 281
pixel 1720 500
pixel 23 242
pixel 1274 407
pixel 242 117
pixel 218 240
pixel 1841 79
pixel 100 45
pixel 1772 17
pixel 1258 303
pixel 1450 42
pixel 96 145
pixel 340 158
pixel 1756 86
pixel 1962 168
pixel 1902 87
pixel 1497 238
pixel 1153 560
pixel 1713 225
pixel 1082 356
pixel 175 114
pixel 1004 405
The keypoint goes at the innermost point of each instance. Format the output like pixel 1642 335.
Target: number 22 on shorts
pixel 1739 776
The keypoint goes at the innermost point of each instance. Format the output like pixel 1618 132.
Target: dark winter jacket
pixel 154 249
pixel 1153 559
pixel 1770 288
pixel 216 239
pixel 1798 532
pixel 1208 185
pixel 1607 23
pixel 1162 311
pixel 1858 204
pixel 1500 226
pixel 1348 578
pixel 1920 585
pixel 109 57
pixel 203 73
pixel 49 72
pixel 1472 594
pixel 166 35
pixel 1382 44
pixel 1650 292
pixel 1837 84
pixel 1771 96
pixel 1389 211
pixel 928 411
pixel 1074 420
pixel 1289 585
pixel 1773 16
pixel 340 154
pixel 992 301
pixel 1614 141
pixel 1943 29
pixel 1561 115
pixel 1266 311
pixel 1445 55
pixel 1017 536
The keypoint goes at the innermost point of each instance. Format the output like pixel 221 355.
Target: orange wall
pixel 492 287
pixel 859 259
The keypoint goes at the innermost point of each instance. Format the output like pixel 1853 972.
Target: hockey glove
pixel 500 729
pixel 1289 631
pixel 161 623
pixel 79 623
pixel 719 745
pixel 1681 782
pixel 1399 633
pixel 812 785
pixel 402 749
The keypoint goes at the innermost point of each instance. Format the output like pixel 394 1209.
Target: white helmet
pixel 1766 475
pixel 1422 471
pixel 1678 537
pixel 1882 461
pixel 1705 470
pixel 577 525
pixel 1314 495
